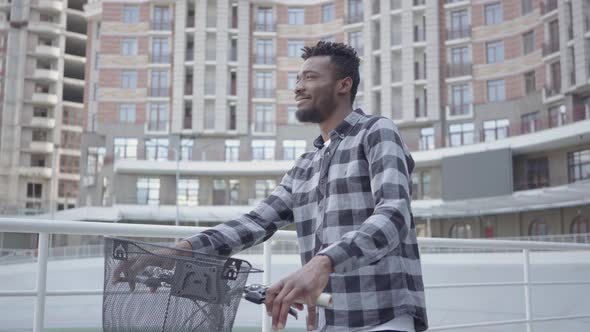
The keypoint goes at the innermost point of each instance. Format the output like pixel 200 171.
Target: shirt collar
pixel 342 129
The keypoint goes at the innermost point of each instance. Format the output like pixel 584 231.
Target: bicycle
pixel 181 293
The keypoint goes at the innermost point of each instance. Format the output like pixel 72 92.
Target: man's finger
pixel 276 307
pixel 311 316
pixel 271 293
pixel 288 300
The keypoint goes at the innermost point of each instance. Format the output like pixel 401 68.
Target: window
pixel 495 129
pixel 425 184
pixel 427 139
pixel 34 190
pixel 355 11
pixel 460 99
pixel 156 149
pixel 188 192
pixel 537 173
pixel 70 139
pixel 296 16
pixel 538 228
pixel 67 188
pixel 159 83
pixel 528 42
pixel 293 149
pixel 264 21
pixel 161 19
pixel 327 12
pixel 526 6
pixel 493 13
pixel 291 80
pixel 158 117
pixel 496 90
pixel 530 122
pixel 294 48
pixel 461 134
pixel 460 55
pixel 580 225
pixel 264 84
pixel 461 230
pixel 557 116
pixel 148 191
pixel 264 51
pixel 186 149
pixel 160 52
pixel 69 164
pixel 95 160
pixel 328 39
pixel 292 115
pixel 129 46
pixel 495 52
pixel 578 163
pixel 263 149
pixel 530 83
pixel 129 79
pixel 131 14
pixel 264 122
pixel 355 40
pixel 414 186
pixel 221 195
pixel 125 148
pixel 264 188
pixel 459 24
pixel 232 150
pixel 127 113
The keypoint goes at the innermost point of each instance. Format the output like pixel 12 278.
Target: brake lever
pixel 256 293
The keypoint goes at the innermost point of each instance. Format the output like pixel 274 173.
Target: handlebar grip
pixel 324 300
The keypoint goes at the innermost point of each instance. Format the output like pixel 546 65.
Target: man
pixel 350 202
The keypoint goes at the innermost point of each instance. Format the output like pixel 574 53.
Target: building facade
pixel 42 72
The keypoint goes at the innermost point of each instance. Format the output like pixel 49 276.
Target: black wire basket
pixel 178 293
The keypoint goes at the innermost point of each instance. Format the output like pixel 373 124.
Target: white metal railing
pixel 46 227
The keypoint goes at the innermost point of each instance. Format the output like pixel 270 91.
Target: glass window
pixel 528 42
pixel 162 18
pixel 355 40
pixel 460 99
pixel 34 190
pixel 148 191
pixel 264 84
pixel 158 117
pixel 530 84
pixel 232 150
pixel 495 129
pixel 557 116
pixel 292 115
pixel 293 149
pixel 578 165
pixel 425 184
pixel 264 51
pixel 328 12
pixel 296 16
pixel 264 188
pixel 461 230
pixel 461 134
pixel 493 13
pixel 526 6
pixel 131 14
pixel 127 113
pixel 496 90
pixel 264 120
pixel 156 149
pixel 427 138
pixel 294 48
pixel 264 20
pixel 188 192
pixel 160 52
pixel 291 80
pixel 186 148
pixel 495 52
pixel 125 148
pixel 580 225
pixel 537 172
pixel 263 149
pixel 129 46
pixel 538 228
pixel 129 79
pixel 530 122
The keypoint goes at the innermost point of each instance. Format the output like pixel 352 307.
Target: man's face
pixel 315 90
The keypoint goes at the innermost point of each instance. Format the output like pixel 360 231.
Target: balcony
pixel 265 27
pixel 42 28
pixel 264 93
pixel 459 69
pixel 161 26
pixel 548 6
pixel 353 18
pixel 158 126
pixel 42 98
pixel 47 51
pixel 459 33
pixel 159 91
pixel 36 172
pixel 420 110
pixel 160 58
pixel 46 75
pixel 550 47
pixel 50 6
pixel 41 147
pixel 420 73
pixel 459 110
pixel 551 90
pixel 43 122
pixel 188 88
pixel 419 35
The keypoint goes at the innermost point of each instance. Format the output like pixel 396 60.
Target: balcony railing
pixel 160 58
pixel 264 93
pixel 550 47
pixel 581 112
pixel 461 109
pixel 264 59
pixel 419 73
pixel 157 125
pixel 265 26
pixel 420 110
pixel 518 251
pixel 353 18
pixel 548 6
pixel 156 91
pixel 419 35
pixel 264 127
pixel 459 33
pixel 552 89
pixel 459 69
pixel 161 25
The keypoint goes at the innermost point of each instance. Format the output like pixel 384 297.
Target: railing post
pixel 41 282
pixel 527 290
pixel 267 253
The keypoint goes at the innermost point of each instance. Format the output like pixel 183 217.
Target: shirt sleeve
pixel 252 228
pixel 389 166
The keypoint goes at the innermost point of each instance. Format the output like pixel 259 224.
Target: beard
pixel 311 115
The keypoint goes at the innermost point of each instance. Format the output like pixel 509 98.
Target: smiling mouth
pixel 301 99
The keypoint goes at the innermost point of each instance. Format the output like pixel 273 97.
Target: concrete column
pixel 178 69
pixel 433 64
pixel 200 43
pixel 385 34
pixel 243 73
pixel 221 73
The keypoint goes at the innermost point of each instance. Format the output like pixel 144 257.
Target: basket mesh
pixel 202 293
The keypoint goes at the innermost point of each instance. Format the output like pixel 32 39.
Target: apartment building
pixel 42 72
pixel 191 101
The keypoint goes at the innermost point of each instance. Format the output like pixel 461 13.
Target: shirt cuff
pixel 342 258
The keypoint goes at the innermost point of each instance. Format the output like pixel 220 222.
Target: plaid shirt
pixel 351 202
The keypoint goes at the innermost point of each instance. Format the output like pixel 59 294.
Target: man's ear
pixel 345 85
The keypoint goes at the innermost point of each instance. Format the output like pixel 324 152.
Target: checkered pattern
pixel 351 202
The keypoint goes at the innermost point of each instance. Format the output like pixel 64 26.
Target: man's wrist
pixel 326 262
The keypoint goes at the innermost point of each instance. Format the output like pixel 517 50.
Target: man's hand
pixel 132 267
pixel 306 285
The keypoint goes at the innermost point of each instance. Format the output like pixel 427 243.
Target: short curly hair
pixel 344 58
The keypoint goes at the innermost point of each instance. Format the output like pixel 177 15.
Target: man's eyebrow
pixel 307 72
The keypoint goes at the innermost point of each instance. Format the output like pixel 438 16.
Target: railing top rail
pixel 19 225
